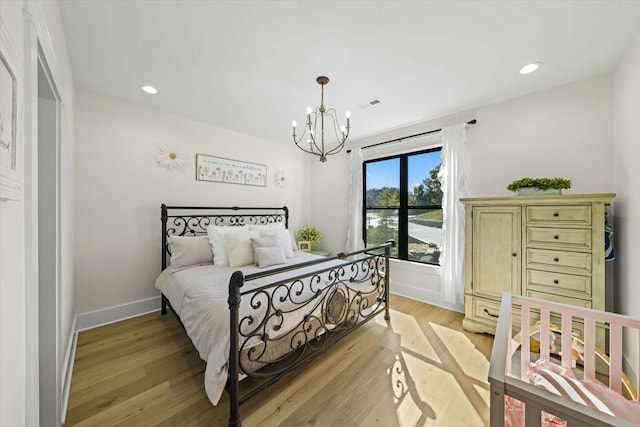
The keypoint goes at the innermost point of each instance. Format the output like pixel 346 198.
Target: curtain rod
pixel 470 122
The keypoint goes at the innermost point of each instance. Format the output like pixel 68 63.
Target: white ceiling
pixel 250 66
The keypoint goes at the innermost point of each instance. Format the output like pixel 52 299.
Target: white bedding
pixel 199 297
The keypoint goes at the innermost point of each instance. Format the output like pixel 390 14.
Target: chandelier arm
pixel 297 142
pixel 336 124
pixel 340 136
pixel 312 136
pixel 305 150
pixel 304 132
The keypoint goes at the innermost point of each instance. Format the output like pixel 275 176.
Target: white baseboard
pixel 67 368
pixel 424 295
pixel 116 313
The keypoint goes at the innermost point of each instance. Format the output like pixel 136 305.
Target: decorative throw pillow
pixel 189 251
pixel 264 242
pixel 218 243
pixel 239 247
pixel 267 256
pixel 285 237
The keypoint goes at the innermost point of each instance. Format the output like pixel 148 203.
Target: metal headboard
pixel 194 220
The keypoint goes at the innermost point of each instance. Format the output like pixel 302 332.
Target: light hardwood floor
pixel 419 369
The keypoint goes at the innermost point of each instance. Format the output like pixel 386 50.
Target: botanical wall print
pixel 10 111
pixel 170 158
pixel 280 179
pixel 218 169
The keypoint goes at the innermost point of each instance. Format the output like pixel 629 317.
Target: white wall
pixel 626 183
pixel 17 354
pixel 12 282
pixel 564 131
pixel 120 188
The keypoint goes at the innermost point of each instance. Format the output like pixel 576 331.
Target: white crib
pixel 522 317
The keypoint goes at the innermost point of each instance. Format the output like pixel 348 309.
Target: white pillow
pixel 216 238
pixel 239 247
pixel 264 242
pixel 270 226
pixel 294 245
pixel 189 251
pixel 284 235
pixel 266 256
pixel 269 229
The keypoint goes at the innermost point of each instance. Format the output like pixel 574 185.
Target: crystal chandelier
pixel 316 146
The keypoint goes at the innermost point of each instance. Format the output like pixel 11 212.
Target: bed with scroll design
pixel 273 319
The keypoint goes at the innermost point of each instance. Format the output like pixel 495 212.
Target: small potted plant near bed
pixel 538 186
pixel 307 235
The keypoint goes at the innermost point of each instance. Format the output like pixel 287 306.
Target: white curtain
pixel 354 237
pixel 452 176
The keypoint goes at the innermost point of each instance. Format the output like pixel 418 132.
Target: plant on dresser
pixel 551 248
pixel 541 183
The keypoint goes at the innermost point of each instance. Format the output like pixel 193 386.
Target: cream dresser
pixel 546 247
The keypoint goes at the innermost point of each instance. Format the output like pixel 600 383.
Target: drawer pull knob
pixel 556 237
pixel 555 282
pixel 556 214
pixel 489 314
pixel 514 254
pixel 556 259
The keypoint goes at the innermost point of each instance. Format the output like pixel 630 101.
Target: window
pixel 402 201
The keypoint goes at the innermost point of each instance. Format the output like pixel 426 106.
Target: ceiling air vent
pixel 370 103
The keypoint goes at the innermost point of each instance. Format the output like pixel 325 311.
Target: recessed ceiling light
pixel 149 89
pixel 530 68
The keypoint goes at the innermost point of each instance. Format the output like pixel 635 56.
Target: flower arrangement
pixel 541 183
pixel 309 233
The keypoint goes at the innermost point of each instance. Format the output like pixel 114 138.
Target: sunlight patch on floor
pixel 413 337
pixel 472 362
pixel 439 375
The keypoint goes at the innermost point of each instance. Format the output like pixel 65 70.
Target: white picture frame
pixel 10 119
pixel 218 169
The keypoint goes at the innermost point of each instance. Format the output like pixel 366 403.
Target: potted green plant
pixel 309 233
pixel 535 186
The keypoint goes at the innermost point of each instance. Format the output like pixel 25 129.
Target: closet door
pixel 496 251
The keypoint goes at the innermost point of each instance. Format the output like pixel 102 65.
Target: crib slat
pixel 525 327
pixel 615 355
pixel 589 347
pixel 637 336
pixel 544 333
pixel 566 340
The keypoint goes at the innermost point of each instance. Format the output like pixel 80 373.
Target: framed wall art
pixel 218 169
pixel 10 84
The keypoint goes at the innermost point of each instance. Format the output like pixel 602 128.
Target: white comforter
pixel 199 296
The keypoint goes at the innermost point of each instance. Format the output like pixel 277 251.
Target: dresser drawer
pixel 559 298
pixel 571 262
pixel 486 311
pixel 558 283
pixel 574 238
pixel 580 214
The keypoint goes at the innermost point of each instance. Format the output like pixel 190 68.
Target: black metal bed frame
pixel 340 294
